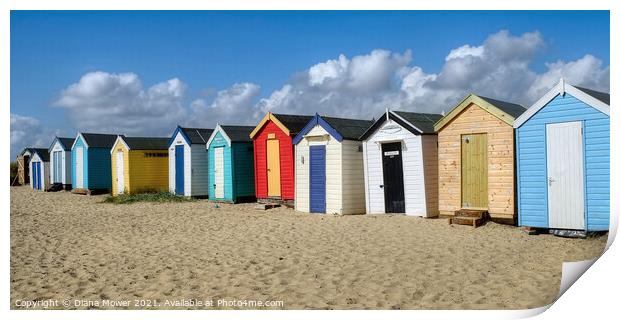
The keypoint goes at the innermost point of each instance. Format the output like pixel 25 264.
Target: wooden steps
pixel 469 217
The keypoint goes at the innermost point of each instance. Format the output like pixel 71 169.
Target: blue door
pixel 317 179
pixel 179 172
pixel 34 175
pixel 37 177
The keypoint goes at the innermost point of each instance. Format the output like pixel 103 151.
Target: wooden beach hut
pixel 188 173
pixel 329 168
pixel 563 160
pixel 274 155
pixel 400 164
pixel 40 169
pixel 90 158
pixel 476 160
pixel 23 166
pixel 60 162
pixel 231 171
pixel 139 165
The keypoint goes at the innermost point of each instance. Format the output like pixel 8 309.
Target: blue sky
pixel 231 66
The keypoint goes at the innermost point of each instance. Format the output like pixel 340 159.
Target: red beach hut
pixel 274 159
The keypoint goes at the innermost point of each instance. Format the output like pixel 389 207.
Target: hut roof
pixel 42 152
pixel 416 123
pixel 504 111
pixel 99 140
pixel 350 129
pixel 600 96
pixel 197 135
pixel 293 122
pixel 238 133
pixel 146 143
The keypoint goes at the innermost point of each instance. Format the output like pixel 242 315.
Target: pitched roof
pixel 42 152
pixel 31 149
pixel 595 99
pixel 197 135
pixel 423 121
pixel 294 123
pixel 99 140
pixel 238 133
pixel 510 108
pixel 65 143
pixel 351 129
pixel 146 143
pixel 504 111
pixel 600 96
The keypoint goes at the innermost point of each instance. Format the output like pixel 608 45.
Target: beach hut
pixel 231 172
pixel 40 169
pixel 563 160
pixel 90 158
pixel 400 164
pixel 139 165
pixel 188 173
pixel 23 166
pixel 60 162
pixel 476 160
pixel 329 166
pixel 274 155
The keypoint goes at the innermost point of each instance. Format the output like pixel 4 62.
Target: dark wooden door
pixel 393 186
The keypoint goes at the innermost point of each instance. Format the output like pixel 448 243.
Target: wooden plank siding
pixel 500 158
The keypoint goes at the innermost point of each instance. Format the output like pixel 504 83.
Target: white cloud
pixel 28 132
pixel 363 86
pixel 118 103
pixel 235 105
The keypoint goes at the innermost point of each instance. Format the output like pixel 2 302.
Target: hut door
pixel 179 170
pixel 474 192
pixel 35 176
pixel 120 173
pixel 273 168
pixel 219 172
pixel 393 186
pixel 79 167
pixel 565 175
pixel 57 167
pixel 317 179
pixel 26 169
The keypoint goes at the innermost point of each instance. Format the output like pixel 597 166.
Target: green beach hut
pixel 231 172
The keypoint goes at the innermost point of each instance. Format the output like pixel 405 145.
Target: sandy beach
pixel 66 246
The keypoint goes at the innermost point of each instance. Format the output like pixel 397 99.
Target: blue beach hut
pixel 91 162
pixel 563 160
pixel 231 173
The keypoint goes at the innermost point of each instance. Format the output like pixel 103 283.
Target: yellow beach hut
pixel 139 164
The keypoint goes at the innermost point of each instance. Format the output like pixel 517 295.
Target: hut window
pixel 156 155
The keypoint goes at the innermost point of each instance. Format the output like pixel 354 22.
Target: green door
pixel 474 183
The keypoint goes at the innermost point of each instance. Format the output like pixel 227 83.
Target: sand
pixel 66 246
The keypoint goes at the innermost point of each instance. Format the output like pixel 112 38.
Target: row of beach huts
pixel 546 166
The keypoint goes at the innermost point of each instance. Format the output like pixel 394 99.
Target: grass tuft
pixel 146 197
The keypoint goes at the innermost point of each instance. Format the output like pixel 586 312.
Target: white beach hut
pixel 60 161
pixel 188 162
pixel 329 169
pixel 400 164
pixel 39 169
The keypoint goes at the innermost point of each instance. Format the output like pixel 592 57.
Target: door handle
pixel 550 180
pixel 381 186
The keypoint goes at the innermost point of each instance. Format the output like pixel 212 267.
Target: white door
pixel 565 176
pixel 120 173
pixel 219 172
pixel 79 167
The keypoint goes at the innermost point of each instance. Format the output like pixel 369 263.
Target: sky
pixel 142 73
